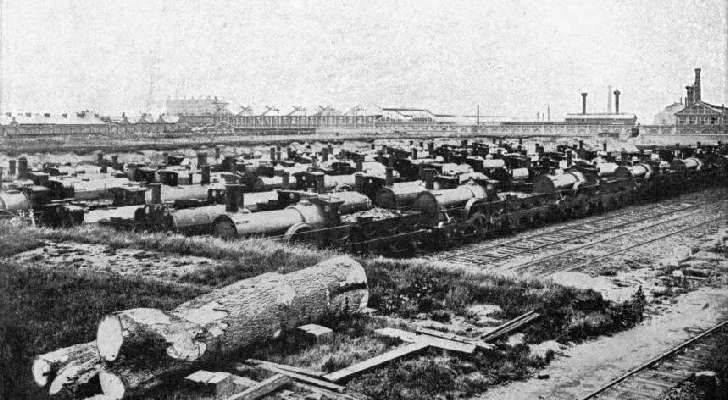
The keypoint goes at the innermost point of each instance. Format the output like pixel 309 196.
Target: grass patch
pixel 52 308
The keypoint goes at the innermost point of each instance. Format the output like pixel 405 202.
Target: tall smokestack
pixel 583 103
pixel 696 86
pixel 616 101
pixel 609 99
pixel 690 97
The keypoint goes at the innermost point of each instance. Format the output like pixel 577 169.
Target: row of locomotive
pixel 445 205
pixel 396 201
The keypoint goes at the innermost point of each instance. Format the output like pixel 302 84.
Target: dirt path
pixel 585 367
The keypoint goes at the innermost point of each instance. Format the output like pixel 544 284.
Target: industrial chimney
pixel 690 98
pixel 583 103
pixel 696 86
pixel 609 99
pixel 616 101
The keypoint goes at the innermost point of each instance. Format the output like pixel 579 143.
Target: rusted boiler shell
pixel 553 183
pixel 401 194
pixel 14 201
pixel 192 192
pixel 431 202
pixel 641 171
pixel 261 223
pixel 353 202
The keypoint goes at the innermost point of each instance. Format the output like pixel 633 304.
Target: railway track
pixel 651 379
pixel 576 258
pixel 502 252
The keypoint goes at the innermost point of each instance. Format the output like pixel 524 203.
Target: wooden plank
pixel 269 385
pixel 467 348
pixel 290 368
pixel 376 361
pixel 303 378
pixel 457 338
pixel 511 326
pixel 438 342
pixel 395 333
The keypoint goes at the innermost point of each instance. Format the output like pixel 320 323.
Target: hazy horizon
pixel 513 58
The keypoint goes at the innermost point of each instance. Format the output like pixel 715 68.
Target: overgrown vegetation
pixel 51 308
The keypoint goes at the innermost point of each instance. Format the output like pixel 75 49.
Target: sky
pixel 513 58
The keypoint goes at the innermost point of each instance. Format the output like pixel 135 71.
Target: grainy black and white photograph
pixel 336 199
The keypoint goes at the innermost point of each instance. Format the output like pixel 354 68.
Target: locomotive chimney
pixel 201 159
pixel 324 154
pixel 581 145
pixel 342 154
pixel 217 153
pixel 12 165
pixel 390 154
pixel 359 164
pixel 233 166
pixel 22 167
pixel 272 154
pixel 115 162
pixel 414 153
pixel 616 101
pixel 604 146
pixel 464 143
pixel 331 148
pixel 205 174
pixel 156 193
pixel 233 197
pixel 359 182
pixel 430 148
pixel 99 158
pixel 314 162
pixel 286 180
pixel 696 86
pixel 429 178
pixel 389 180
pixel 318 178
pixel 583 103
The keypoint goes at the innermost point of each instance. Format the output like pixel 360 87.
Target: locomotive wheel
pixel 295 233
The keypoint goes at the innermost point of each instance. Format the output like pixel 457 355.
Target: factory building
pixel 32 124
pixel 698 116
pixel 207 106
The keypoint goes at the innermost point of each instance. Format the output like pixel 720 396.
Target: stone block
pixel 316 333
